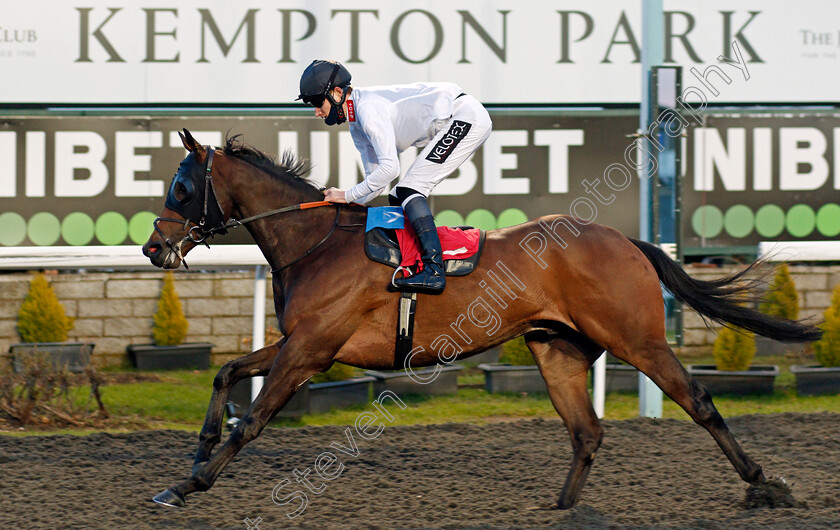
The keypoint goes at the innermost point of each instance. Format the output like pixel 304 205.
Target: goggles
pixel 316 101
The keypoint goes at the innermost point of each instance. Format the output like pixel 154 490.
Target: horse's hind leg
pixel 658 362
pixel 564 364
pixel 254 364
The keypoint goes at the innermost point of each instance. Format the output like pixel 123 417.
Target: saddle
pixel 382 243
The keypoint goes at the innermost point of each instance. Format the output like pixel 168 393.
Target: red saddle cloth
pixel 456 243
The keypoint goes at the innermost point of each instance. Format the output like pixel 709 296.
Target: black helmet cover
pixel 318 80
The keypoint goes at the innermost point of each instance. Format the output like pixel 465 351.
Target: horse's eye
pixel 180 191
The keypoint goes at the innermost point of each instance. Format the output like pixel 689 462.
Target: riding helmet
pixel 322 76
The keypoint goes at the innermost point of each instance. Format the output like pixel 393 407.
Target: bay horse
pixel 573 289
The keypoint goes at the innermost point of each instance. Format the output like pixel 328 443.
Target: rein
pixel 236 223
pixel 313 248
pixel 199 234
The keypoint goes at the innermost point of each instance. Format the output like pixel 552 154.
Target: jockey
pixel 447 125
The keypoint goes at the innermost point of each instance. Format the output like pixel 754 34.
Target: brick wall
pixel 813 283
pixel 116 309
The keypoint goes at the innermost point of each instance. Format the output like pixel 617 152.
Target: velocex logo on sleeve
pixel 441 151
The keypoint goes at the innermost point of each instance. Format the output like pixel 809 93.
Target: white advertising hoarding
pixel 501 51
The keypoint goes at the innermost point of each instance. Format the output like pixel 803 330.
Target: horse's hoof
pixel 170 497
pixel 772 493
pixel 564 503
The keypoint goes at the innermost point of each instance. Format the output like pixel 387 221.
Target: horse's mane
pixel 289 168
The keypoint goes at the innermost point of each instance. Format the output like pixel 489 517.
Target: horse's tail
pixel 720 299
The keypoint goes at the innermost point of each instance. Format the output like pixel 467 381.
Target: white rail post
pixel 258 337
pixel 650 397
pixel 599 384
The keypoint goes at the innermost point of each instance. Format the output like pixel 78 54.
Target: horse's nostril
pixel 155 248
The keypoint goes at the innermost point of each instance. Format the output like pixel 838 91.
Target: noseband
pixel 199 233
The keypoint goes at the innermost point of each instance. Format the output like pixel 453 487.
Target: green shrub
pixel 338 372
pixel 827 349
pixel 734 350
pixel 171 325
pixel 516 352
pixel 782 300
pixel 41 317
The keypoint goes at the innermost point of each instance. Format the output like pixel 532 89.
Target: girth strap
pixel 405 329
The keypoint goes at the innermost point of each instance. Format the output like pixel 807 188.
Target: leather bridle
pixel 199 232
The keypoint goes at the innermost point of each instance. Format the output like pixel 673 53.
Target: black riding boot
pixel 431 280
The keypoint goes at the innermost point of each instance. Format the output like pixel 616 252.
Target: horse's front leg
pixel 296 362
pixel 254 364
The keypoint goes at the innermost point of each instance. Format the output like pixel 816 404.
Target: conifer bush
pixel 781 300
pixel 827 349
pixel 734 350
pixel 41 317
pixel 516 352
pixel 171 325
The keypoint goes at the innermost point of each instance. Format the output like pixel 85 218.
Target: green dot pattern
pixel 77 229
pixel 800 220
pixel 14 229
pixel 43 229
pixel 141 227
pixel 511 217
pixel 738 221
pixel 449 218
pixel 828 220
pixel 111 228
pixel 481 218
pixel 769 220
pixel 707 221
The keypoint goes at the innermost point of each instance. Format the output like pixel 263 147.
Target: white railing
pixel 105 257
pixel 129 256
pixel 799 250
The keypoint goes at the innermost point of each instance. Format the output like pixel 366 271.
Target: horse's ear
pixel 189 142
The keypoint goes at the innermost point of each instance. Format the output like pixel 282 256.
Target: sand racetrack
pixel 648 473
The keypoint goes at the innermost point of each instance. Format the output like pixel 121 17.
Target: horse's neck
pixel 285 236
pixel 260 199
